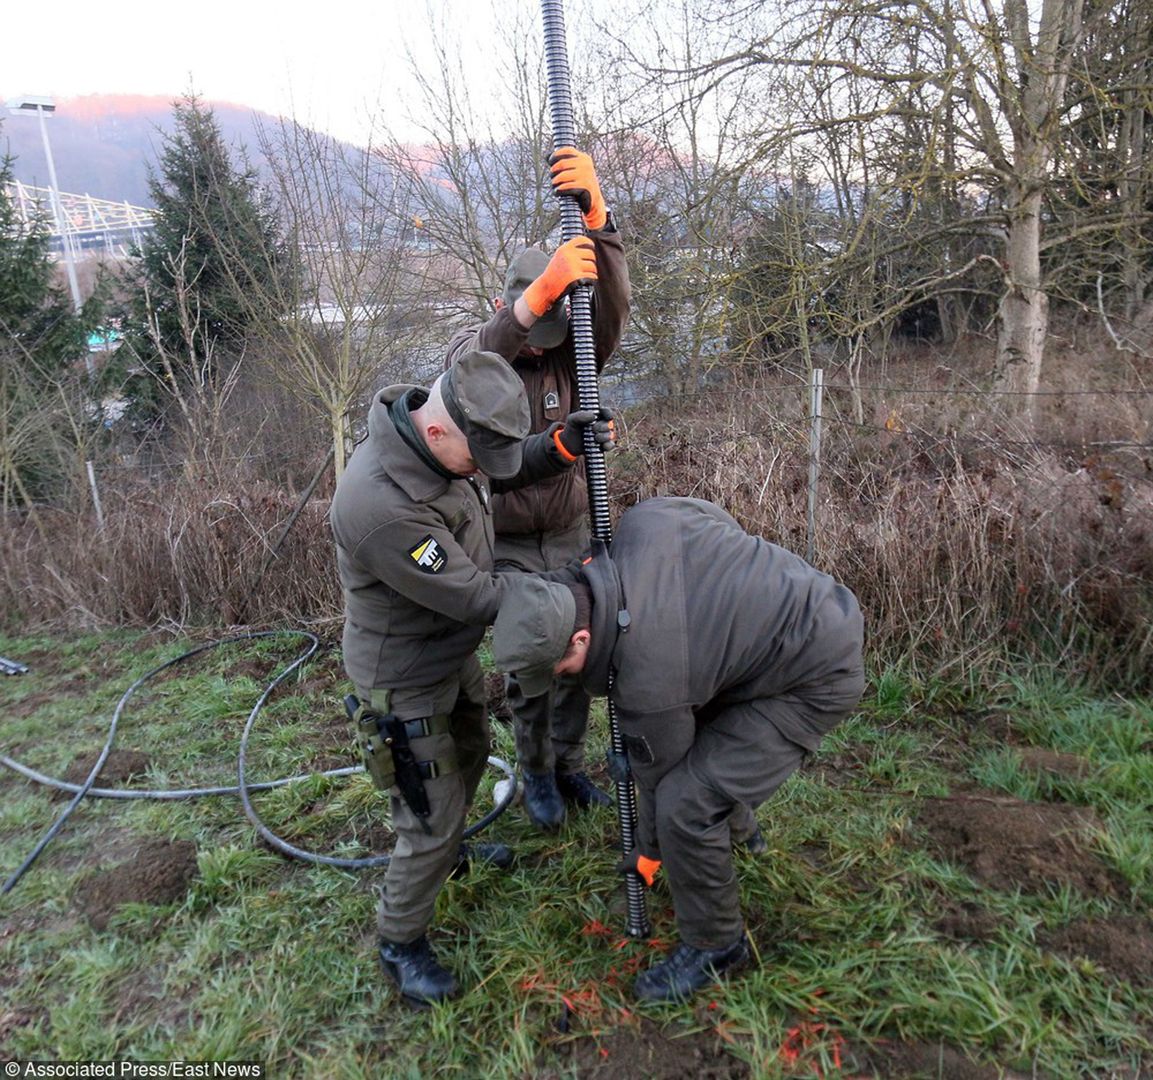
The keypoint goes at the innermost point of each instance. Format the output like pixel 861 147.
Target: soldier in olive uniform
pixel 542 526
pixel 731 658
pixel 414 545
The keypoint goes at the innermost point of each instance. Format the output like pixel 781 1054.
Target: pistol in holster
pixel 385 744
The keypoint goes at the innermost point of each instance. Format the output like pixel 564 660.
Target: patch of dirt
pixel 120 767
pixel 834 770
pixel 967 922
pixel 32 703
pixel 326 678
pixel 18 1017
pixel 1054 763
pixel 1005 843
pixel 325 836
pixel 930 1061
pixel 332 746
pixel 259 671
pixel 999 727
pixel 1123 946
pixel 498 707
pixel 159 872
pixel 646 1051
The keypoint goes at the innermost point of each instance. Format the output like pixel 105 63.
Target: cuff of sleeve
pixel 597 218
pixel 566 457
pixel 535 299
pixel 647 868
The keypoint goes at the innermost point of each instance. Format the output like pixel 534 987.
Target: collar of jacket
pixel 609 617
pixel 405 467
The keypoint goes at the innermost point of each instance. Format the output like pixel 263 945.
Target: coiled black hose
pixel 243 788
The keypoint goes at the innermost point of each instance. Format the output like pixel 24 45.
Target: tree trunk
pixel 1023 316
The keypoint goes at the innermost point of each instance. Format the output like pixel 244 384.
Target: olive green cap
pixel 551 328
pixel 532 630
pixel 486 400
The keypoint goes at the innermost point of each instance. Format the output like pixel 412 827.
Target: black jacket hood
pixel 609 617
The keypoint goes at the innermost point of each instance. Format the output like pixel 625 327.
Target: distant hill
pixel 103 144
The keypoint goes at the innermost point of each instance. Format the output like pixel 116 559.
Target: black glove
pixel 569 439
pixel 639 865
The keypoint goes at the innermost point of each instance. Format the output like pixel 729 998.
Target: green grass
pixel 272 959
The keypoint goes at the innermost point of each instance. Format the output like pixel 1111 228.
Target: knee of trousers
pixel 688 808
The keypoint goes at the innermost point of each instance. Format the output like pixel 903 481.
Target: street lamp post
pixel 45 106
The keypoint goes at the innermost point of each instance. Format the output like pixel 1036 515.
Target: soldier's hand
pixel 573 263
pixel 569 438
pixel 573 174
pixel 640 866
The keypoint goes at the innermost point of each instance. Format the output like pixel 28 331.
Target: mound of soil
pixel 1054 763
pixel 1005 843
pixel 1123 947
pixel 159 872
pixel 646 1051
pixel 498 707
pixel 121 767
pixel 929 1061
pixel 967 922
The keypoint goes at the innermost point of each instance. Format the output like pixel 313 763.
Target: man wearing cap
pixel 542 526
pixel 730 659
pixel 414 538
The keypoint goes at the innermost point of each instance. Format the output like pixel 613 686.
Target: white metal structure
pixel 90 222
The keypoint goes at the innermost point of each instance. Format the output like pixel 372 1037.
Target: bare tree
pixel 350 313
pixel 473 184
pixel 1103 201
pixel 978 84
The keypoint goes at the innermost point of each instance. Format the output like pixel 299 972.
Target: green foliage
pixel 214 247
pixel 41 342
pixel 37 323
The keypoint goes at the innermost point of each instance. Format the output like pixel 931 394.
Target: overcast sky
pixel 331 65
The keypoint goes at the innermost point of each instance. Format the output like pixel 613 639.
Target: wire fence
pixel 959 523
pixel 943 428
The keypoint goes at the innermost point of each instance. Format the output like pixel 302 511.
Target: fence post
pixel 95 494
pixel 816 388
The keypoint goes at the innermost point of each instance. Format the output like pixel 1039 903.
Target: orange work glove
pixel 640 865
pixel 573 174
pixel 573 263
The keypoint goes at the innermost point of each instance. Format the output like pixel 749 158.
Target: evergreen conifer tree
pixel 214 246
pixel 42 346
pixel 38 329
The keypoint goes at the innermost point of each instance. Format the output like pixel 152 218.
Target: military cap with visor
pixel 551 328
pixel 486 400
pixel 532 630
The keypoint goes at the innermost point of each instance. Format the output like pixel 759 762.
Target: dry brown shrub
pixel 177 552
pixel 962 547
pixel 967 536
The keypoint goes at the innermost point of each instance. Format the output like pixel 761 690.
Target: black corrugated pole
pixel 580 320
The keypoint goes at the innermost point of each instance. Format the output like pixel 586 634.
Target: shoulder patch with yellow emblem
pixel 428 555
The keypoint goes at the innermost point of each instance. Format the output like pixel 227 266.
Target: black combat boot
pixel 542 801
pixel 686 970
pixel 579 789
pixel 416 972
pixel 753 844
pixel 497 855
